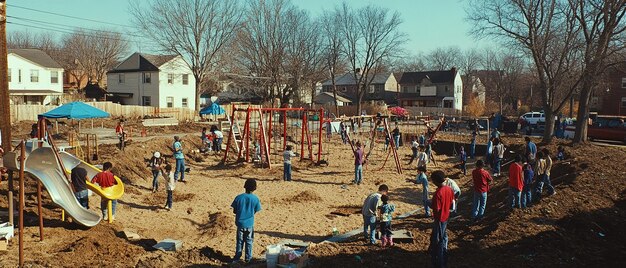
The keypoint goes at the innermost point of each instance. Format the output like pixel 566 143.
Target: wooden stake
pixel 11 208
pixel 21 212
pixel 39 211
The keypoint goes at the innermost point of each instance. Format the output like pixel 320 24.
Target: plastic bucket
pixel 271 255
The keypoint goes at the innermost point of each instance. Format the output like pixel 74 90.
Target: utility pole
pixel 5 109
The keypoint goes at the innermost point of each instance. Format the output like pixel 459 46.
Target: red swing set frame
pixel 265 133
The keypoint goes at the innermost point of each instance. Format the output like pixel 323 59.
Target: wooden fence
pixel 20 112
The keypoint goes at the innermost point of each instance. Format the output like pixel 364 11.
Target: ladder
pixel 236 133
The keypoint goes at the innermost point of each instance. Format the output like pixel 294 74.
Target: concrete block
pixel 169 245
pixel 131 235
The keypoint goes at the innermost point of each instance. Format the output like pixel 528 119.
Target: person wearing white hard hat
pixel 156 165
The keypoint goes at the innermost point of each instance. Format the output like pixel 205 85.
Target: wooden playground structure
pixel 267 137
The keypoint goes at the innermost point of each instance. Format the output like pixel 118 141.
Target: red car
pixel 608 128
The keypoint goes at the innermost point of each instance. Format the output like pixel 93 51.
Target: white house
pixel 34 77
pixel 163 81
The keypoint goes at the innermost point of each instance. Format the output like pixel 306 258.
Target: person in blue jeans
pixel 370 212
pixel 287 162
pixel 463 158
pixel 245 206
pixel 529 174
pixel 473 145
pixel 156 163
pixel 396 136
pixel 481 180
pixel 180 159
pixel 79 184
pixel 358 163
pixel 423 180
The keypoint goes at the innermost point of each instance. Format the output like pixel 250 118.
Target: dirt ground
pixel 582 225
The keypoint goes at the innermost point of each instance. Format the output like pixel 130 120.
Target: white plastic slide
pixel 41 163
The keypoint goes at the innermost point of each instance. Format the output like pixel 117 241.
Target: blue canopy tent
pixel 213 109
pixel 75 110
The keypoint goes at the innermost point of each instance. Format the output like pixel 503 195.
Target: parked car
pixel 608 128
pixel 603 127
pixel 533 118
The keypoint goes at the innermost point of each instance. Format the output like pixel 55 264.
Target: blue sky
pixel 428 23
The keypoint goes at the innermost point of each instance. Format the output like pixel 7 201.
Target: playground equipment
pixel 380 121
pixel 90 152
pixel 40 158
pixel 263 129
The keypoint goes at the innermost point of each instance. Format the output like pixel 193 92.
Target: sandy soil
pixel 563 230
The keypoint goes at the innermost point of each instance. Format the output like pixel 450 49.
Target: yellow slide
pixel 111 193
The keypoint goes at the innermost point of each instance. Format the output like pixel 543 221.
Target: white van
pixel 533 118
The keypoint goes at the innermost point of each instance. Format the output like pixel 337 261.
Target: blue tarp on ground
pixel 214 108
pixel 76 110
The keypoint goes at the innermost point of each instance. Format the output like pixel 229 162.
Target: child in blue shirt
pixel 560 155
pixel 386 212
pixel 528 181
pixel 245 206
pixel 423 180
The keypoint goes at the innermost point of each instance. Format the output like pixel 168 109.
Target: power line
pixel 69 16
pixel 67 31
pixel 46 24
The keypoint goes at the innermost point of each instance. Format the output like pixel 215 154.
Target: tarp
pixel 214 108
pixel 75 110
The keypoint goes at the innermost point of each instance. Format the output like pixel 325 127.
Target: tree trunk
pixel 335 97
pixel 198 93
pixel 582 117
pixel 549 127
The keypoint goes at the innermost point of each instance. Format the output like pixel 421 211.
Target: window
pixel 121 78
pixel 146 101
pixel 405 89
pixel 446 88
pixel 34 76
pixel 344 89
pixel 170 78
pixel 184 102
pixel 185 79
pixel 447 103
pixel 19 76
pixel 9 75
pixel 372 89
pixel 170 102
pixel 54 77
pixel 624 82
pixel 623 102
pixel 147 78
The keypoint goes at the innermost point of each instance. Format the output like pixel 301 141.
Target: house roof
pixel 34 92
pixel 138 62
pixel 36 56
pixel 436 77
pixel 347 79
pixel 329 95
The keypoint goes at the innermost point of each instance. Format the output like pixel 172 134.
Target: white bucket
pixel 271 255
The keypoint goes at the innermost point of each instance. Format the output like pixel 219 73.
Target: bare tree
pixel 91 54
pixel 504 70
pixel 542 29
pixel 331 27
pixel 603 36
pixel 410 63
pixel 370 38
pixel 444 58
pixel 196 30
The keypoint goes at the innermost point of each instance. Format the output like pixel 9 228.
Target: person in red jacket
pixel 106 179
pixel 442 203
pixel 516 182
pixel 481 179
